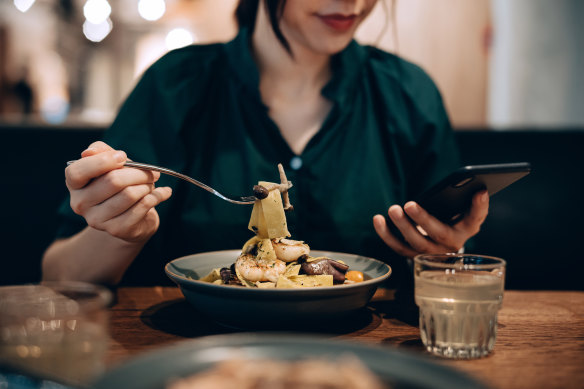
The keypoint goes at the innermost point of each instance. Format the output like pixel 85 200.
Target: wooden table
pixel 540 341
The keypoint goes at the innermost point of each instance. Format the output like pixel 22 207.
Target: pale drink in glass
pixel 459 296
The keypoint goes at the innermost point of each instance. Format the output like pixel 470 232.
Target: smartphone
pixel 451 197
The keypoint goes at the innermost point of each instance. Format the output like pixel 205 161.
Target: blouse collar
pixel 346 66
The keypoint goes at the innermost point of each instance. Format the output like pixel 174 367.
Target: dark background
pixel 535 224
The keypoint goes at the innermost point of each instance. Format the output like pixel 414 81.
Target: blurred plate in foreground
pixel 396 368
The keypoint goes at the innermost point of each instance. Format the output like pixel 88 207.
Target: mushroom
pixel 225 274
pixel 284 181
pixel 228 275
pixel 260 192
pixel 324 266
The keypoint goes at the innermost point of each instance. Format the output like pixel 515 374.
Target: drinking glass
pixel 459 296
pixel 56 330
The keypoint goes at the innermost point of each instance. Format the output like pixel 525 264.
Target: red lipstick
pixel 338 22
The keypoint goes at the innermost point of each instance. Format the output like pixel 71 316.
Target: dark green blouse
pixel 198 110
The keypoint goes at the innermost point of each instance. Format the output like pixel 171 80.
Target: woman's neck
pixel 304 72
pixel 291 85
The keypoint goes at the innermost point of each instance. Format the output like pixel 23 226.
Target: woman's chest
pixel 298 119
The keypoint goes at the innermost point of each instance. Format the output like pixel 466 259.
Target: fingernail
pixel 120 156
pixel 378 219
pixel 395 211
pixel 485 197
pixel 412 208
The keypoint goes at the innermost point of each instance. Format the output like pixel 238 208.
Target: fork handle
pixel 146 166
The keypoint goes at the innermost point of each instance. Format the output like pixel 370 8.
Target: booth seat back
pixel 535 224
pixel 33 187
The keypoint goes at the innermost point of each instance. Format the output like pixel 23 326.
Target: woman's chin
pixel 332 45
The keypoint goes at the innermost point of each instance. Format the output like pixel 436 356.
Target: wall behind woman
pixel 537 69
pixel 498 63
pixel 449 39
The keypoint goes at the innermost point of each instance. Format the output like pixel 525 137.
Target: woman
pixel 357 129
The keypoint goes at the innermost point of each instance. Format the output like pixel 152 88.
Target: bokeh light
pixel 97 32
pixel 54 109
pixel 151 9
pixel 178 37
pixel 97 11
pixel 23 5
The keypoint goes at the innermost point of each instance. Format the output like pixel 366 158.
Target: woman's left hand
pixel 431 235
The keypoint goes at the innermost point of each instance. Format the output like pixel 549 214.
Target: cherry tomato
pixel 354 275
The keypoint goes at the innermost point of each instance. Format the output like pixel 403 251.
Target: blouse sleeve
pixel 436 152
pixel 149 123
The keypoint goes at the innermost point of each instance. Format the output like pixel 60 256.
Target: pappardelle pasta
pixel 270 259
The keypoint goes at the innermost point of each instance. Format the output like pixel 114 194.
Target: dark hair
pixel 247 10
pixel 246 13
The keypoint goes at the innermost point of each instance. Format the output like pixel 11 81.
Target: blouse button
pixel 296 163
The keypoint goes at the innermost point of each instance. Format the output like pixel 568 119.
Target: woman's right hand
pixel 120 201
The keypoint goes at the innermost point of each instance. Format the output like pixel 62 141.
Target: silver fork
pixel 145 166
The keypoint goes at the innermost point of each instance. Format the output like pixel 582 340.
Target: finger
pixel 390 239
pixel 437 231
pixel 97 215
pixel 79 173
pixel 127 224
pixel 471 223
pixel 109 185
pixel 95 148
pixel 411 234
pixel 154 175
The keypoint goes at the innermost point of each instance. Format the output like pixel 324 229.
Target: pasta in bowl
pixel 274 280
pixel 244 307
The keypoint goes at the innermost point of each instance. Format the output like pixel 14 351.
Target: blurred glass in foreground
pixel 56 330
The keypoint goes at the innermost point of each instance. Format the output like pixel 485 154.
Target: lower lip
pixel 338 24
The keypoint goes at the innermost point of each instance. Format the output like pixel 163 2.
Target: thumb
pixel 95 148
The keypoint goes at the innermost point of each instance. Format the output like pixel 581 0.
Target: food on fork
pixel 270 259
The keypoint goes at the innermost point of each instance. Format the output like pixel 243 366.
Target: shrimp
pixel 261 269
pixel 289 250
